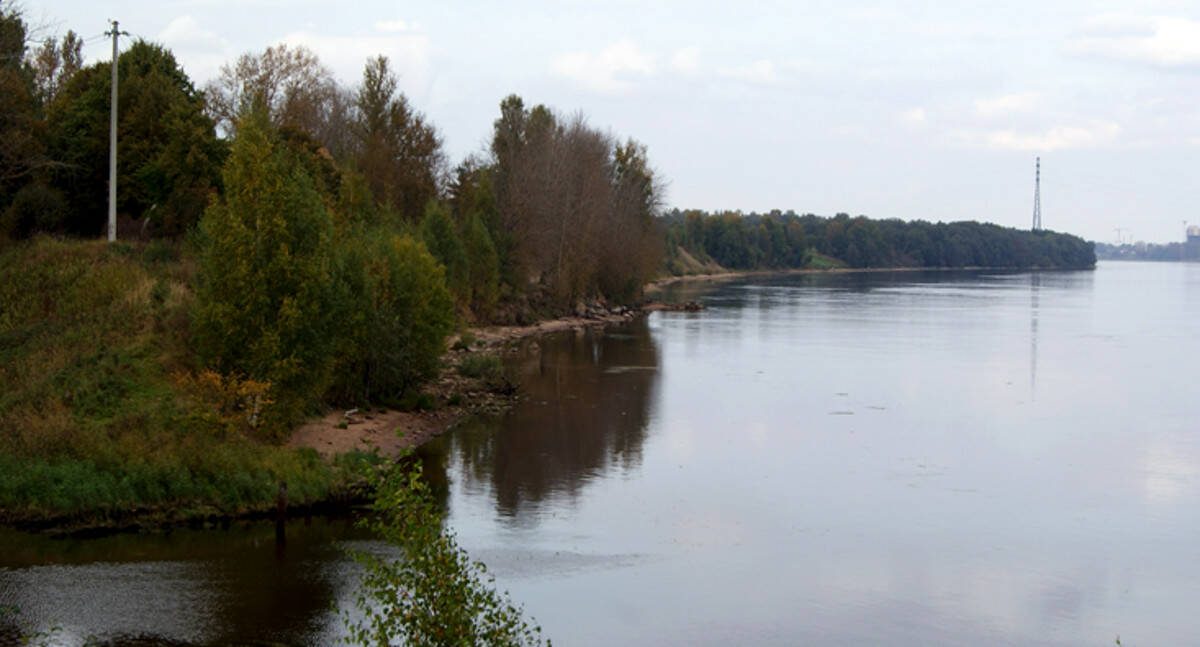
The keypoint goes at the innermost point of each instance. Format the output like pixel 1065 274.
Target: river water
pixel 909 458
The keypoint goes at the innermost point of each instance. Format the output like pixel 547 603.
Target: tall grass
pixel 93 421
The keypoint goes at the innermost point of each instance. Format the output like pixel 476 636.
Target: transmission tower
pixel 1037 195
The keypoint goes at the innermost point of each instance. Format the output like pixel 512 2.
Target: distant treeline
pixel 779 240
pixel 1148 252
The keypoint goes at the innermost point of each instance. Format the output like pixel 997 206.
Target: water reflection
pixel 586 405
pixel 1035 286
pixel 184 587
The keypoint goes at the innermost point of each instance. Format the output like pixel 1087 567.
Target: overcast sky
pixel 890 109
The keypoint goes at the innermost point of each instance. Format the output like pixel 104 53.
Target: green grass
pixel 94 420
pixel 818 261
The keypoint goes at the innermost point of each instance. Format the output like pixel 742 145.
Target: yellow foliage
pixel 229 405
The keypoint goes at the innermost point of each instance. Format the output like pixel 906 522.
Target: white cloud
pixel 608 71
pixel 346 55
pixel 1007 104
pixel 1097 134
pixel 914 116
pixel 391 26
pixel 760 72
pixel 1165 41
pixel 200 51
pixel 686 61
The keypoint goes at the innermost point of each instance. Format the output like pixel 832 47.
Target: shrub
pixel 35 208
pixel 435 595
pixel 406 313
pixel 480 366
pixel 465 341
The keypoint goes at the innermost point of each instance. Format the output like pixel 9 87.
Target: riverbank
pixel 112 439
pixel 456 396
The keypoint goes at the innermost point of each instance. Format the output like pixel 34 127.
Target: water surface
pixel 915 458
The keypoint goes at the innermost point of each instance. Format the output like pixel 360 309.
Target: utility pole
pixel 112 144
pixel 1037 196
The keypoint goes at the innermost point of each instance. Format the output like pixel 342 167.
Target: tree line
pixel 553 212
pixel 1141 251
pixel 784 240
pixel 334 244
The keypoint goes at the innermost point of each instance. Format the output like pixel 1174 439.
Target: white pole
pixel 112 146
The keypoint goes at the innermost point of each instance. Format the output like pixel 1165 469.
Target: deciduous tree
pixel 265 286
pixel 400 152
pixel 168 158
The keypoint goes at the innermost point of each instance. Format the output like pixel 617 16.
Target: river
pixel 899 458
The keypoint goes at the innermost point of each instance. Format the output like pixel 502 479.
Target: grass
pixel 480 366
pixel 94 419
pixel 818 261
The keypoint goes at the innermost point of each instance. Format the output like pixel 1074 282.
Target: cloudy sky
pixel 911 109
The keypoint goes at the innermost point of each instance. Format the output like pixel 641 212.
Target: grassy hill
pixel 103 413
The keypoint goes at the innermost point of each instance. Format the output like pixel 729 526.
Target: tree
pixel 578 206
pixel 265 286
pixel 400 319
pixel 289 82
pixel 435 595
pixel 483 266
pixel 443 241
pixel 54 65
pixel 169 159
pixel 22 131
pixel 400 153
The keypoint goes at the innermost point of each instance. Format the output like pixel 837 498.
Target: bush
pixel 465 341
pixel 405 313
pixel 35 208
pixel 435 595
pixel 480 366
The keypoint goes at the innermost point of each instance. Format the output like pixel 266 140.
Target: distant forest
pixel 779 240
pixel 1148 252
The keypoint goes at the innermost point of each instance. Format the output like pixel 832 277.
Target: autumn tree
pixel 290 82
pixel 630 248
pixel 54 64
pixel 399 151
pixel 579 207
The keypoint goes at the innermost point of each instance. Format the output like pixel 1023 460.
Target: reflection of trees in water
pixel 585 407
pixel 209 586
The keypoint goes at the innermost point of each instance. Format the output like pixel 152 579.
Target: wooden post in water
pixel 281 502
pixel 281 514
